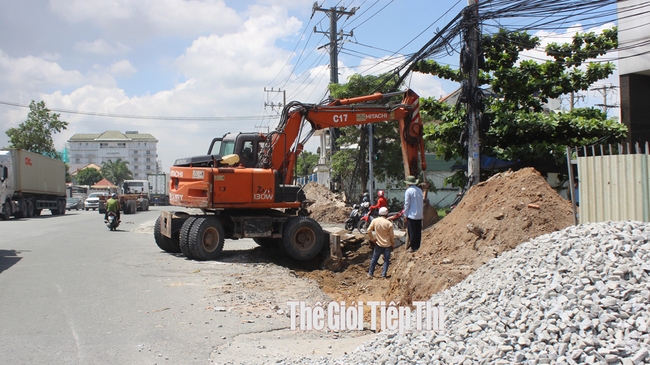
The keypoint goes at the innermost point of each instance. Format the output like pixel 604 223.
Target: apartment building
pixel 138 149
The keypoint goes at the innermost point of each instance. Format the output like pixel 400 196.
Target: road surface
pixel 75 293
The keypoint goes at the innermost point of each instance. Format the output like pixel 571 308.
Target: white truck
pixel 29 183
pixel 158 194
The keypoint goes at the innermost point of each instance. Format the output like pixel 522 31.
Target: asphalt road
pixel 73 292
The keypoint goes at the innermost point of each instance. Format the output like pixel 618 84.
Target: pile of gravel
pixel 580 295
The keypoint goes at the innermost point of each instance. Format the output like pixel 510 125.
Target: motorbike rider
pixel 112 205
pixel 382 202
pixel 365 204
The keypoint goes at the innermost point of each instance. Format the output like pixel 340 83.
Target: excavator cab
pixel 245 145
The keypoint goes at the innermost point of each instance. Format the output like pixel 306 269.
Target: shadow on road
pixel 8 258
pixel 264 255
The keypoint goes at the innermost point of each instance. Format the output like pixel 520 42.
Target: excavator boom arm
pixel 284 146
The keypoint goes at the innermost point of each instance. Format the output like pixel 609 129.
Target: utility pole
pixel 334 36
pixel 334 14
pixel 604 91
pixel 473 141
pixel 371 148
pixel 274 105
pixel 573 98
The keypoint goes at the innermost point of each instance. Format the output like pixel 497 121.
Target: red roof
pixel 103 184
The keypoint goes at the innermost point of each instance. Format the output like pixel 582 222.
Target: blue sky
pixel 198 58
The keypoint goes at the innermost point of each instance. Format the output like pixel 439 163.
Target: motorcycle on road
pixel 112 222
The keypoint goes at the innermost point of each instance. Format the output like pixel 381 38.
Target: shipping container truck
pixel 158 193
pixel 29 183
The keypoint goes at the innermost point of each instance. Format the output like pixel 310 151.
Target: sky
pixel 194 59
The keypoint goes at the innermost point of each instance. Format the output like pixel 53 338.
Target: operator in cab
pixel 112 205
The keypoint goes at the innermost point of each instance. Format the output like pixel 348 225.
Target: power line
pixel 131 116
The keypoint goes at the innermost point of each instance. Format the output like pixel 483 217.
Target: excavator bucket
pixel 430 215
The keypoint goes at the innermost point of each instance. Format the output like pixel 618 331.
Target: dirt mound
pixel 327 206
pixel 494 216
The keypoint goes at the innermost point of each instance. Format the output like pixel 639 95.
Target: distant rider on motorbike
pixel 112 205
pixel 382 202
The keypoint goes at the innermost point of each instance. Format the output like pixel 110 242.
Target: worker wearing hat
pixel 414 211
pixel 380 233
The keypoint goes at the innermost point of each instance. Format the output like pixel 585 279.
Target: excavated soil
pixel 494 216
pixel 327 207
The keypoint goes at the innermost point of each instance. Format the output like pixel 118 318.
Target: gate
pixel 613 182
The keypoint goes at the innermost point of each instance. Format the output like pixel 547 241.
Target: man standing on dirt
pixel 414 211
pixel 383 240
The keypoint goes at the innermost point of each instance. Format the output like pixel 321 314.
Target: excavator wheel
pixel 302 238
pixel 165 243
pixel 206 238
pixel 185 237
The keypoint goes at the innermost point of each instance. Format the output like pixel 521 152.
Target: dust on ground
pixel 494 216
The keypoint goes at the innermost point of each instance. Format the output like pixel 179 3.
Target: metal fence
pixel 613 182
pixel 303 180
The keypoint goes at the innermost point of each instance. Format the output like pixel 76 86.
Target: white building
pixel 634 68
pixel 138 149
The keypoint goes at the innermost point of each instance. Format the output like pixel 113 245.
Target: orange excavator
pixel 243 185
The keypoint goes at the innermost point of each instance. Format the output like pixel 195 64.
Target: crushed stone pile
pixel 327 207
pixel 494 216
pixel 579 295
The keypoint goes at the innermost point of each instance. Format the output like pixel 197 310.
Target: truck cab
pixel 6 187
pixel 136 187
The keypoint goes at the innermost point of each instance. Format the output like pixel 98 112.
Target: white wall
pixel 633 30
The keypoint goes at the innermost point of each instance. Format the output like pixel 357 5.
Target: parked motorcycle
pixel 398 219
pixel 111 221
pixel 364 223
pixel 364 219
pixel 353 220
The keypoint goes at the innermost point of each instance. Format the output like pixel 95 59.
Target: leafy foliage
pixel 116 172
pixel 35 134
pixel 343 165
pixel 514 126
pixel 88 176
pixel 306 163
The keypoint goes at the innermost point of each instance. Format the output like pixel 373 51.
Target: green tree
pixel 306 163
pixel 514 126
pixel 35 134
pixel 88 176
pixel 116 172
